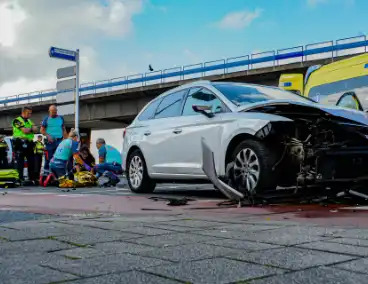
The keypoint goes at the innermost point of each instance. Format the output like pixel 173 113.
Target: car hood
pixel 354 116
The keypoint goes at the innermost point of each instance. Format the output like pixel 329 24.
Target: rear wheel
pixel 252 169
pixel 137 175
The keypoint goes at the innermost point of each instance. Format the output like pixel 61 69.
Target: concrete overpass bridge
pixel 115 102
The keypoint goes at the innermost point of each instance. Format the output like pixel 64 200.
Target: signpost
pixel 68 90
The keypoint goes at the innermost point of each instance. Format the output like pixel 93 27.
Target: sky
pixel 122 37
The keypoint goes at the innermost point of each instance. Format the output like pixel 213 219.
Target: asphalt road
pixel 204 191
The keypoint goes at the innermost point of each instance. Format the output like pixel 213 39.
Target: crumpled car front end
pixel 327 148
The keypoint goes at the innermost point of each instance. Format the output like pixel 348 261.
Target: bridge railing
pixel 320 50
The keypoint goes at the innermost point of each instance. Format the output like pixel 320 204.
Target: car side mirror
pixel 205 110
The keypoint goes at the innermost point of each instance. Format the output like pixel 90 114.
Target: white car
pixel 261 137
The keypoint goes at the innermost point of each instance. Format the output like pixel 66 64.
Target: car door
pixel 194 126
pixel 163 152
pixel 137 134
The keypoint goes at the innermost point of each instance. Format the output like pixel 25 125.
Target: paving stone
pixel 32 246
pixel 247 227
pixel 354 242
pixel 190 252
pixel 354 233
pixel 337 248
pixel 111 225
pixel 122 247
pixel 35 258
pixel 269 236
pixel 106 264
pixel 359 265
pixel 132 277
pixel 30 273
pixel 222 233
pixel 232 218
pixel 280 237
pixel 36 231
pixel 36 224
pixel 163 226
pixel 239 244
pixel 80 252
pixel 147 231
pixel 103 236
pixel 318 275
pixel 196 223
pixel 140 218
pixel 257 221
pixel 308 230
pixel 292 258
pixel 217 271
pixel 16 216
pixel 172 239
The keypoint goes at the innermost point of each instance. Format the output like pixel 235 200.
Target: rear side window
pixel 149 112
pixel 171 105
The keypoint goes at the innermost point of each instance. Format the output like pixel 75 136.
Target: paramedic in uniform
pixel 53 128
pixel 109 162
pixel 23 134
pixel 39 151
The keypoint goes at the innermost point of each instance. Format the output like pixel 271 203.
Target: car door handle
pixel 147 133
pixel 177 131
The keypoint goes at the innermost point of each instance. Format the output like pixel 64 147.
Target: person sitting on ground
pixel 84 160
pixel 66 149
pixel 109 162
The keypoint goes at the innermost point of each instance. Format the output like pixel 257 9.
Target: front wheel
pixel 252 167
pixel 137 175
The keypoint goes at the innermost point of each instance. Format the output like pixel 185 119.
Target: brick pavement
pixel 180 248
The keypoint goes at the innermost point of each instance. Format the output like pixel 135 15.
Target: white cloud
pixel 239 19
pixel 29 27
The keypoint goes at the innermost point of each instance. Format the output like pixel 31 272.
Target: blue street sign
pixel 64 54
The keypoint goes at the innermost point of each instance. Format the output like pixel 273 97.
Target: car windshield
pixel 241 94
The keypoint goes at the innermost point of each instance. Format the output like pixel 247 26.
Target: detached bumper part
pixel 209 169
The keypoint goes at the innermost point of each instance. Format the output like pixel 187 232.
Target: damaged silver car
pixel 246 139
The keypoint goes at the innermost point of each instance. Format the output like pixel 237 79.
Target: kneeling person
pixel 109 162
pixel 64 152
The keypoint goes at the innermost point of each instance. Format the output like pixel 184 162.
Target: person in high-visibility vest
pixel 39 151
pixel 4 148
pixel 23 134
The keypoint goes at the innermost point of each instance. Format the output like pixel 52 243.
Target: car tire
pixel 258 169
pixel 138 183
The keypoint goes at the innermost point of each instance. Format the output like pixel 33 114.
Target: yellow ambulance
pixel 343 83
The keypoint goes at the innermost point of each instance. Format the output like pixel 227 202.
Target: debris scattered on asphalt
pixel 173 201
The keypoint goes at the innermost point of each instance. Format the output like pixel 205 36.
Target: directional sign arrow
pixel 64 54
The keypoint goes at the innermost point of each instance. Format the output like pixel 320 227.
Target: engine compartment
pixel 318 148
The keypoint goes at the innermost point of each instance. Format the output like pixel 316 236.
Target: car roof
pixel 204 83
pixel 199 83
